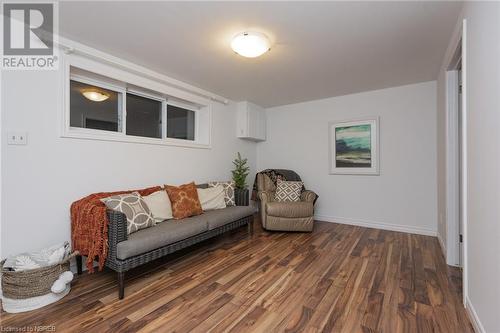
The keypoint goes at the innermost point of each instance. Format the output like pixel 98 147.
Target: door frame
pixel 453 209
pixel 453 169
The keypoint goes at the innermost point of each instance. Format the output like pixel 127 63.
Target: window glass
pixel 143 116
pixel 94 107
pixel 180 123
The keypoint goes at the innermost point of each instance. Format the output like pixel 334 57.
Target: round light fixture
pixel 95 95
pixel 251 44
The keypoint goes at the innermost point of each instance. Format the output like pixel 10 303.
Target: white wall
pixel 42 179
pixel 403 197
pixel 483 160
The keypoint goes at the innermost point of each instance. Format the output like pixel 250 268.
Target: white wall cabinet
pixel 251 122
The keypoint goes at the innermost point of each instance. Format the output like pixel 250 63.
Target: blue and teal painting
pixel 353 146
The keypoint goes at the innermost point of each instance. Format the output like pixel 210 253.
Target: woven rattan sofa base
pixel 117 232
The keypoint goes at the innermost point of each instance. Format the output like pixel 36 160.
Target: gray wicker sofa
pixel 130 251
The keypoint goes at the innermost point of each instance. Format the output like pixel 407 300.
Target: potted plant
pixel 240 174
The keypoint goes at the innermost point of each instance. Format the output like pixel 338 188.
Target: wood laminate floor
pixel 337 279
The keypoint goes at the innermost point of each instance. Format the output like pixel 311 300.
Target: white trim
pixel 474 318
pixel 465 172
pixel 374 170
pixel 98 83
pixel 137 92
pixel 376 225
pixel 452 170
pixel 460 35
pixel 2 119
pixel 81 133
pixel 182 105
pixel 70 46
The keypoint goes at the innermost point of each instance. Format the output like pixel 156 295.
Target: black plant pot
pixel 242 197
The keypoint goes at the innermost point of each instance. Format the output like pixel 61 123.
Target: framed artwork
pixel 354 147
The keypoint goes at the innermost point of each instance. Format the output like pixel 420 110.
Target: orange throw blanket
pixel 89 226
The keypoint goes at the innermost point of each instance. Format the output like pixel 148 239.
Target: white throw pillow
pixel 212 197
pixel 159 205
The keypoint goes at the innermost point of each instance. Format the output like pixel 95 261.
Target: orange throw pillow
pixel 185 201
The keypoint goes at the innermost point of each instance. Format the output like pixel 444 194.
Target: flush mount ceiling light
pixel 250 44
pixel 95 95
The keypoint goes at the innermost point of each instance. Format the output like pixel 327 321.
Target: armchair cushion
pixel 290 209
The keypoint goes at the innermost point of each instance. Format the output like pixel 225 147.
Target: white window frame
pixel 187 107
pixel 161 92
pixel 121 107
pixel 163 112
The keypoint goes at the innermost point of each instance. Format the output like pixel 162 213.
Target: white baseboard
pixel 442 246
pixel 476 323
pixel 377 225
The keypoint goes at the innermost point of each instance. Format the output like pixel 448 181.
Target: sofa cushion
pixel 290 209
pixel 219 217
pixel 163 234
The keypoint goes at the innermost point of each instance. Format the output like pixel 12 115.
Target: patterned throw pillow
pixel 288 191
pixel 185 201
pixel 135 209
pixel 228 191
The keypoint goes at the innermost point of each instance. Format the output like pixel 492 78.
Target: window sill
pixel 120 137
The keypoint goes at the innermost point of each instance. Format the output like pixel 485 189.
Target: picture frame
pixel 354 147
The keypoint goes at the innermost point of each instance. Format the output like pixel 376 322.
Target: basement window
pixel 144 116
pixel 180 123
pixel 86 112
pixel 104 108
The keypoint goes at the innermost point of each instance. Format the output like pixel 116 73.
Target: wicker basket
pixel 33 282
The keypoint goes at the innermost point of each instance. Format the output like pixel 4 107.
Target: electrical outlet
pixel 17 138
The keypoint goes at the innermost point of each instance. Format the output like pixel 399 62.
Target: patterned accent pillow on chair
pixel 228 191
pixel 287 191
pixel 135 209
pixel 185 201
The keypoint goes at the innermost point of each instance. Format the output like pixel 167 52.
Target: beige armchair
pixel 284 216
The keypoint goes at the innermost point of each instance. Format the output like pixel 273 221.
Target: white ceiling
pixel 322 49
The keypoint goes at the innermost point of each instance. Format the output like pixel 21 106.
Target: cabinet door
pixel 262 125
pixel 253 122
pixel 242 122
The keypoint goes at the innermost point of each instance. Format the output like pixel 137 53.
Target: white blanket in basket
pixel 31 260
